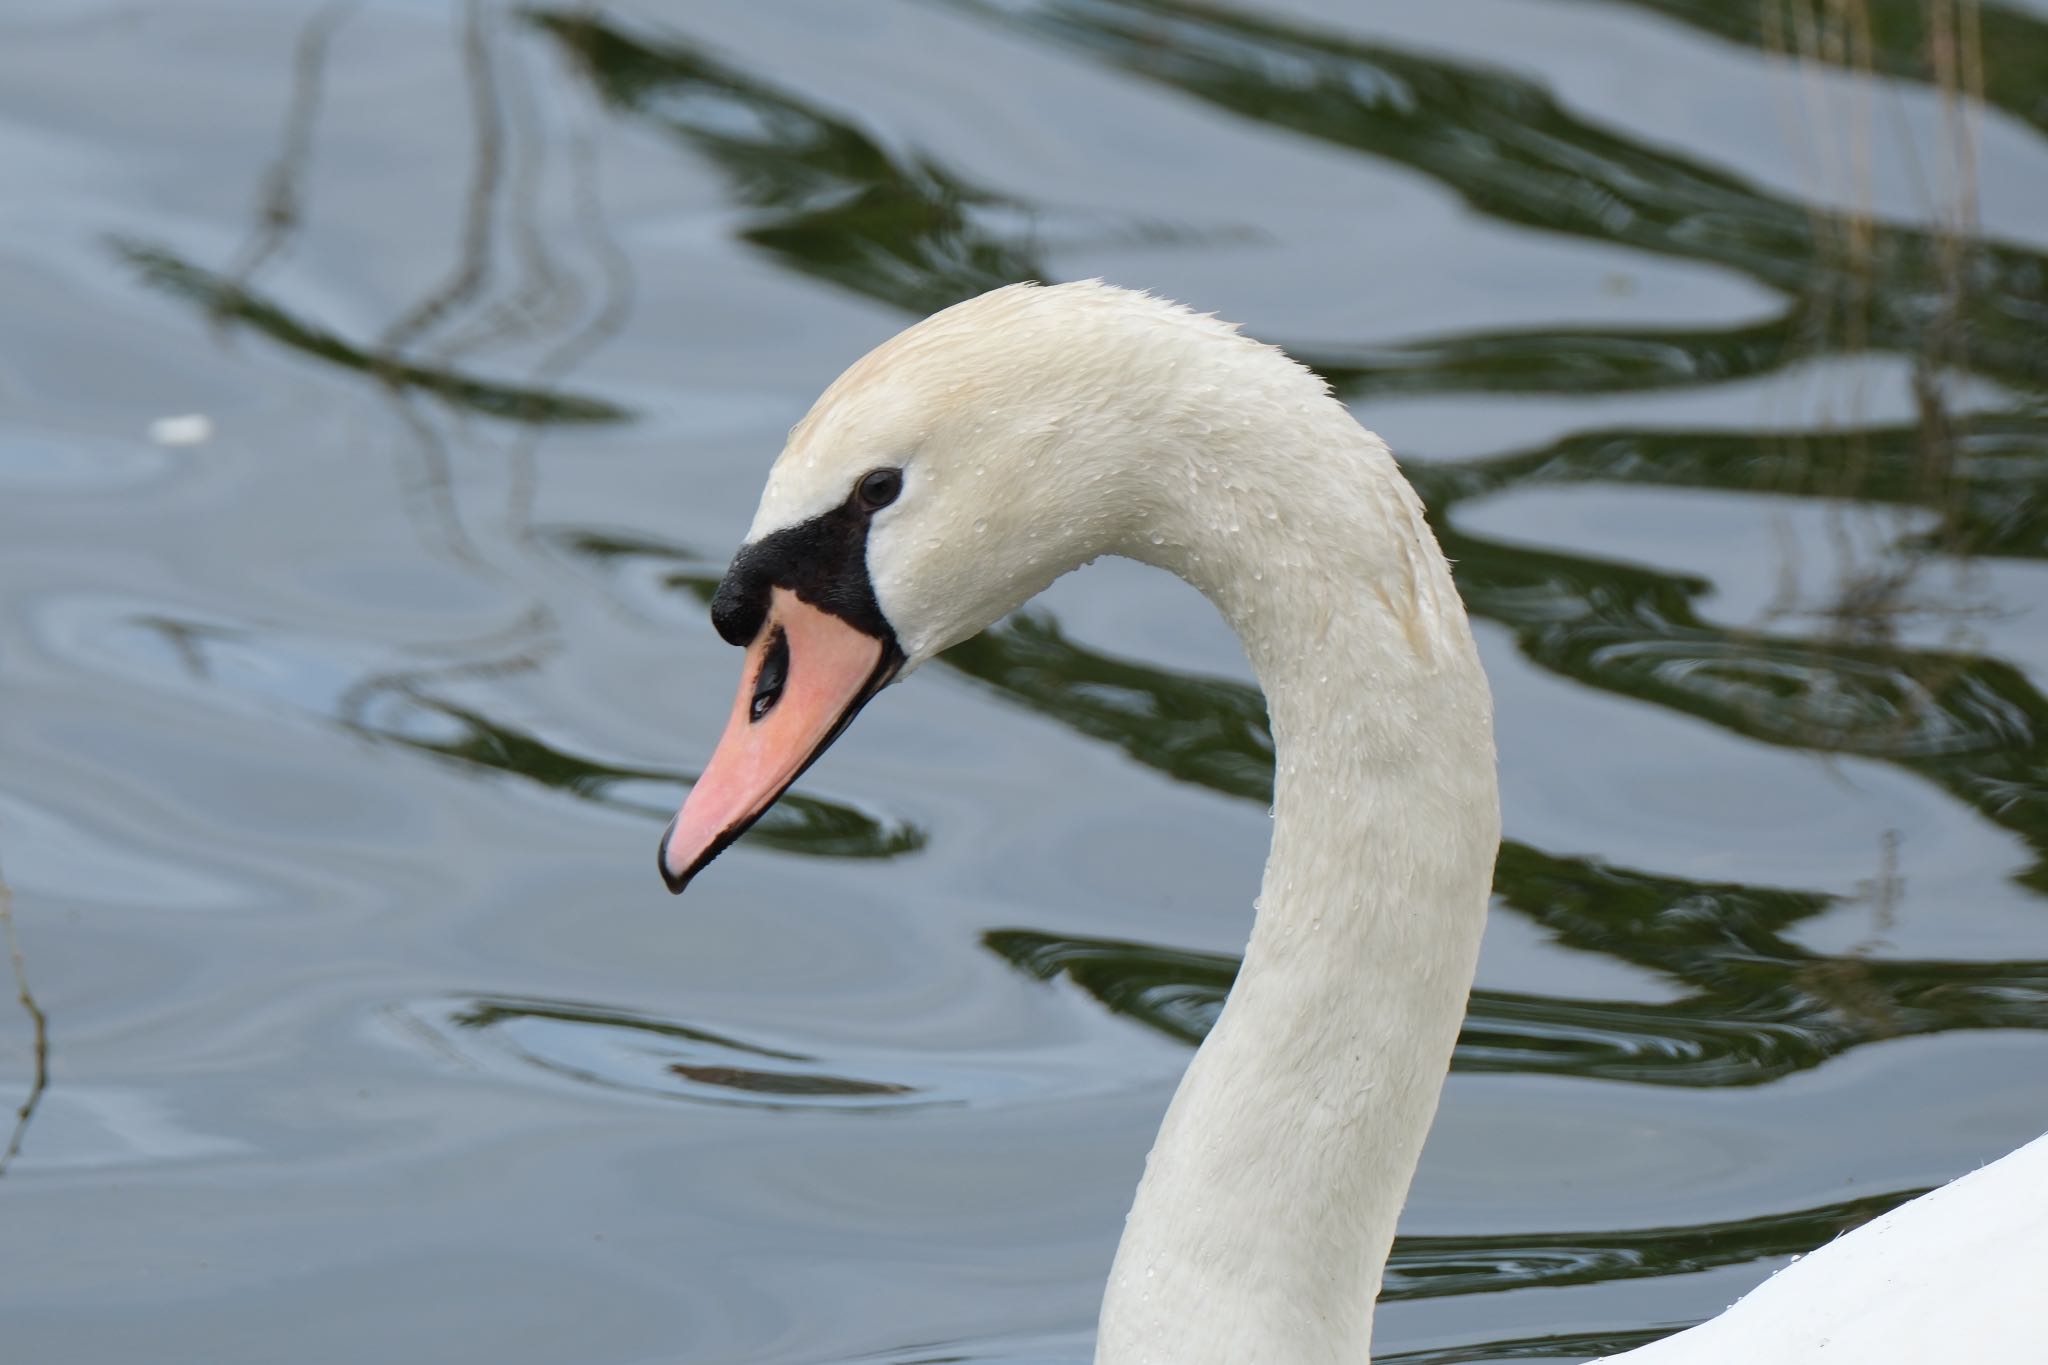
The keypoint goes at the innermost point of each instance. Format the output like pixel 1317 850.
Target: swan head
pixel 941 482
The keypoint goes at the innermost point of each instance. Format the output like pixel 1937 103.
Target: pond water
pixel 384 385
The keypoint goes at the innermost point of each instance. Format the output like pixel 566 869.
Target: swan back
pixel 1960 1274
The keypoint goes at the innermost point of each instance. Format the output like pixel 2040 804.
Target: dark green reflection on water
pixel 1203 730
pixel 826 199
pixel 1973 725
pixel 831 201
pixel 1424 1267
pixel 223 299
pixel 624 1050
pixel 1758 1007
pixel 1985 488
pixel 1512 152
pixel 401 708
pixel 1433 1267
pixel 798 823
pixel 1749 1019
pixel 834 204
pixel 1554 360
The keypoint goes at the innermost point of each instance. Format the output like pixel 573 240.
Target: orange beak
pixel 807 675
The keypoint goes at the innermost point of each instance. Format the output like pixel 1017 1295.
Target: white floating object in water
pixel 187 429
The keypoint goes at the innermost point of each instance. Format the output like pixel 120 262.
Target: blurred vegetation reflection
pixel 1512 152
pixel 1897 38
pixel 824 198
pixel 1755 1004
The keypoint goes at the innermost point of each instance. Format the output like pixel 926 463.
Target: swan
pixel 961 467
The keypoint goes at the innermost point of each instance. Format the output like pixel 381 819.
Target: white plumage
pixel 1038 428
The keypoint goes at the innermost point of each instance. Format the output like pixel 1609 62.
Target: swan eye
pixel 878 488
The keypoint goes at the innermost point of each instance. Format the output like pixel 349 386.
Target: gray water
pixel 336 729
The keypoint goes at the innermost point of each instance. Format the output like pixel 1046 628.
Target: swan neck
pixel 1267 1209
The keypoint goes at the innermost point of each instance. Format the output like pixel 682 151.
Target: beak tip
pixel 674 880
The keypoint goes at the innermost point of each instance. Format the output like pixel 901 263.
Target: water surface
pixel 338 728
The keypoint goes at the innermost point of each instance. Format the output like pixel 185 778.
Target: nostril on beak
pixel 741 603
pixel 774 675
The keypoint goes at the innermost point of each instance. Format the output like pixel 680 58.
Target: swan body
pixel 1959 1274
pixel 952 474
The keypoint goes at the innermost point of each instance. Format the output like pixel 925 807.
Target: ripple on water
pixel 653 579
pixel 1912 706
pixel 1034 1348
pixel 110 1127
pixel 627 1052
pixel 44 462
pixel 383 694
pixel 798 823
pixel 50 855
pixel 1756 1009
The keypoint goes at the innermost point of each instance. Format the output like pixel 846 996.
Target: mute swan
pixel 963 466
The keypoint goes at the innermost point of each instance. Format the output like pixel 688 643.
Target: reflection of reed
pixel 614 305
pixel 2001 49
pixel 472 267
pixel 1974 726
pixel 547 303
pixel 231 298
pixel 1853 285
pixel 279 204
pixel 1835 125
pixel 39 1031
pixel 833 203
